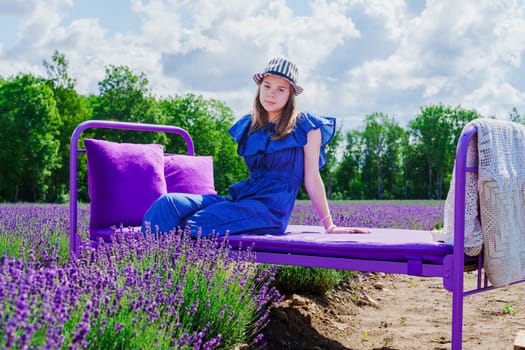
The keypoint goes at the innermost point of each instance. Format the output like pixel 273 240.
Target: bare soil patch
pixel 396 312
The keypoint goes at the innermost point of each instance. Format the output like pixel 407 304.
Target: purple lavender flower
pixel 167 291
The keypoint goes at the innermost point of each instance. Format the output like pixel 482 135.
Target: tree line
pixel 378 160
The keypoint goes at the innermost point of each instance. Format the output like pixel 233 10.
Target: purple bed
pixel 399 251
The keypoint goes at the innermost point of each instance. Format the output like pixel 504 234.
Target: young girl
pixel 281 147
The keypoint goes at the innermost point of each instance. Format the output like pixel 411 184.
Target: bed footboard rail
pixel 74 151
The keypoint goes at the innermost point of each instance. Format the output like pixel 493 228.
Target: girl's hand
pixel 338 229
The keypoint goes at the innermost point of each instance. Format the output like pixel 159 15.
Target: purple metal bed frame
pixel 409 252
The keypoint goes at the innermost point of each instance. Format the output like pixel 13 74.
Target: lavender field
pixel 145 293
pixel 420 215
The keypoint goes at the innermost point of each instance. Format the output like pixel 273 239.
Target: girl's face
pixel 273 95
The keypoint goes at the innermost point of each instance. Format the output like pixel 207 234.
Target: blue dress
pixel 261 204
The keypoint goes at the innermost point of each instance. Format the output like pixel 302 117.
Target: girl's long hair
pixel 286 121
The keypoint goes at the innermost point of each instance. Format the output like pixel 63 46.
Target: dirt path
pixel 397 312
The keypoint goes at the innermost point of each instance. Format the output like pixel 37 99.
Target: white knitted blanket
pixel 498 223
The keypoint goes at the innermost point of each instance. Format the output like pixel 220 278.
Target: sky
pixel 355 57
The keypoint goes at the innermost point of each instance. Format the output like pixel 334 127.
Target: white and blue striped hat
pixel 281 68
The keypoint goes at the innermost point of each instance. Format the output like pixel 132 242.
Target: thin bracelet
pixel 330 228
pixel 325 218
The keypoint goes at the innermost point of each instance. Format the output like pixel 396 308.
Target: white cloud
pixel 392 13
pixel 458 53
pixel 495 99
pixel 355 56
pixel 221 52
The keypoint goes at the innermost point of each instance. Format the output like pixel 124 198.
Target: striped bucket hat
pixel 281 68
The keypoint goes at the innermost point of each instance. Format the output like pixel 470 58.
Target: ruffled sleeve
pixel 240 128
pixel 308 122
pixel 249 143
pixel 260 141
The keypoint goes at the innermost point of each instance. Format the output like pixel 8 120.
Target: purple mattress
pixel 379 244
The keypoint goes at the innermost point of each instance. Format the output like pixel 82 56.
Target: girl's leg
pixel 170 210
pixel 234 218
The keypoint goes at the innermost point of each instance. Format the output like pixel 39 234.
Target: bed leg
pixel 457 312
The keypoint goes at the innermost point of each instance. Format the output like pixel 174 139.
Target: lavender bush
pixel 40 227
pixel 145 293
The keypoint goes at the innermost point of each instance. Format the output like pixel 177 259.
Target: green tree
pixel 125 96
pixel 57 71
pixel 208 122
pixel 515 117
pixel 29 124
pixel 348 173
pixel 382 138
pixel 435 133
pixel 407 151
pixel 72 109
pixel 328 172
pixel 395 141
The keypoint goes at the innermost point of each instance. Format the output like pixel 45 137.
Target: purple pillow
pixel 124 179
pixel 189 174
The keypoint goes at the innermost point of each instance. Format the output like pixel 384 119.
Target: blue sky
pixel 355 57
